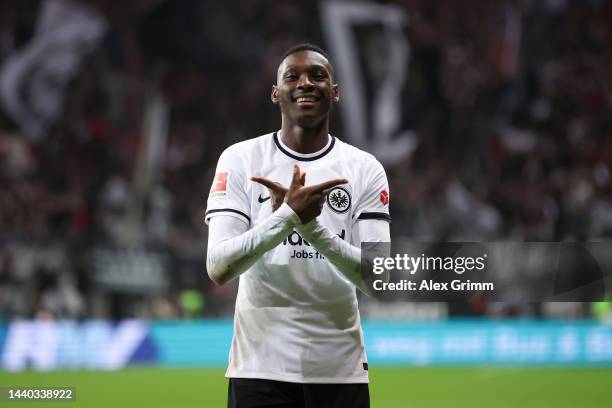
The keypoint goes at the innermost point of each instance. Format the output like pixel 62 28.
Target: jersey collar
pixel 304 157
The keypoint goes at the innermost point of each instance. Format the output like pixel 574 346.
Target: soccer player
pixel 287 212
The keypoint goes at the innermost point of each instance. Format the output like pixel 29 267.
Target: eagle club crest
pixel 339 200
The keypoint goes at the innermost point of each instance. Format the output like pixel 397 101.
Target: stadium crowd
pixel 514 139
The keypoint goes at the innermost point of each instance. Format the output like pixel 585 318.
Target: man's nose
pixel 304 81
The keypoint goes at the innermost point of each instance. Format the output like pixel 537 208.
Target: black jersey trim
pixel 227 210
pixel 374 216
pixel 293 156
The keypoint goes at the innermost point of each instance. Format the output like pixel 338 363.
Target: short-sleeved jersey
pixel 296 316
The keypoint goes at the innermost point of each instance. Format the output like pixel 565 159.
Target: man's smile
pixel 306 100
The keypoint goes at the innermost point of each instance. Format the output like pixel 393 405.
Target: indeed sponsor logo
pixel 296 239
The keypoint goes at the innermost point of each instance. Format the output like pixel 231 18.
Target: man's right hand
pixel 307 201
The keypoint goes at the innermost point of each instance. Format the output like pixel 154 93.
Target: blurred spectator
pixel 514 136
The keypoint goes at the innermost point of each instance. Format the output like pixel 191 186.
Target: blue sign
pixel 489 342
pixel 48 345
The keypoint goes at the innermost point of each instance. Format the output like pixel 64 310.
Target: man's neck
pixel 305 140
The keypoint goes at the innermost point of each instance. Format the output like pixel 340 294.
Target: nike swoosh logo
pixel 262 200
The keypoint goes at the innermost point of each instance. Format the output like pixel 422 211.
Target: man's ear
pixel 336 93
pixel 274 95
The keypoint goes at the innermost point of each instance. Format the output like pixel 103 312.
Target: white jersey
pixel 296 316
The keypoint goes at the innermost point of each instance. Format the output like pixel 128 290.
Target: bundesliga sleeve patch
pixel 384 197
pixel 219 185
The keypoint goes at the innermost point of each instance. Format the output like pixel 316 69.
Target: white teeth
pixel 305 99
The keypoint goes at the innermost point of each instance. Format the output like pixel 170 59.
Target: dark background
pixel 514 142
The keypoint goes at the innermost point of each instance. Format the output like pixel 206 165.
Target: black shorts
pixel 251 393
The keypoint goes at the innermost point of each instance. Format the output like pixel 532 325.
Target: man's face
pixel 304 88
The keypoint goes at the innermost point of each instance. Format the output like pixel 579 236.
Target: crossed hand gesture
pixel 306 201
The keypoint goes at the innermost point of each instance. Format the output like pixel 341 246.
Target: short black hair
pixel 304 47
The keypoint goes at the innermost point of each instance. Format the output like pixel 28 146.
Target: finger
pixel 281 188
pixel 295 181
pixel 303 179
pixel 327 185
pixel 272 185
pixel 315 196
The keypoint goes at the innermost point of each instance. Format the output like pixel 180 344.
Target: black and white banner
pixel 33 80
pixel 371 55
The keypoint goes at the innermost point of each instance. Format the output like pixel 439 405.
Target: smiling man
pixel 287 213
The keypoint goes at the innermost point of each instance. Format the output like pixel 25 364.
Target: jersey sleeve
pixel 374 200
pixel 228 195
